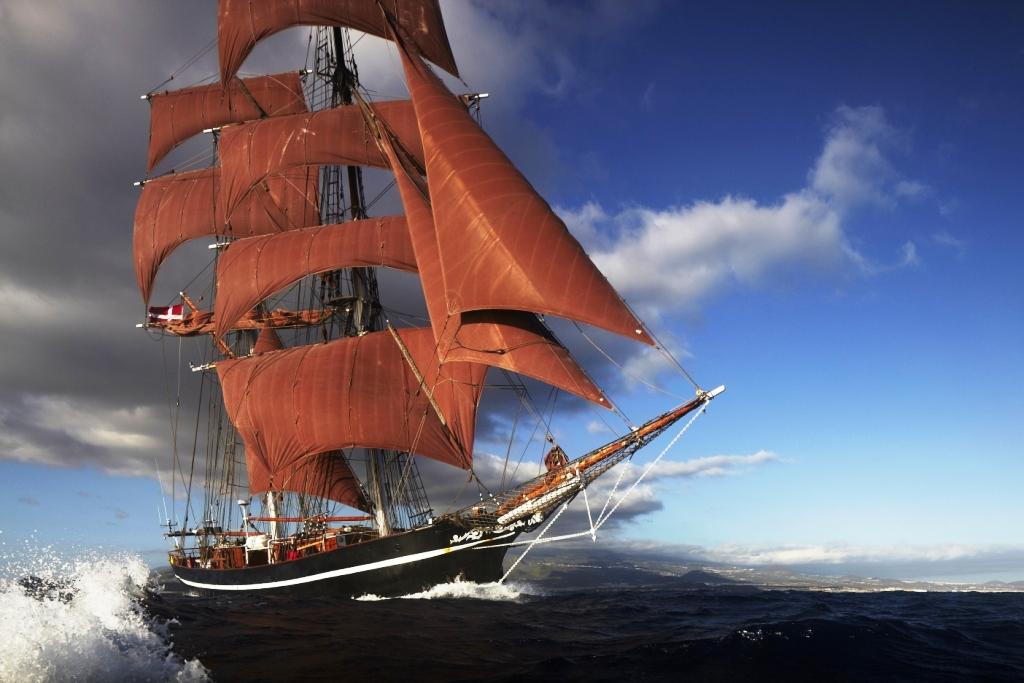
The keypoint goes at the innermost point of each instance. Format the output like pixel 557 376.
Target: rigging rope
pixel 672 359
pixel 508 451
pixel 188 63
pixel 601 518
pixel 650 465
pixel 565 506
pixel 626 372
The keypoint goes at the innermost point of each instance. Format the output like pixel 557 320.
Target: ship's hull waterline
pixel 399 564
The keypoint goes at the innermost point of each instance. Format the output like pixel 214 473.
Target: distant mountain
pixel 584 566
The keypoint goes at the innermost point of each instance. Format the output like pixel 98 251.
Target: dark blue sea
pixel 674 629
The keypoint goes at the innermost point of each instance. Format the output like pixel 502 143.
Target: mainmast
pixel 393 482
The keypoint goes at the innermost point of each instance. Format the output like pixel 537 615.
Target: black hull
pixel 394 565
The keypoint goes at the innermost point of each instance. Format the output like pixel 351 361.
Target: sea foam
pixel 509 592
pixel 90 627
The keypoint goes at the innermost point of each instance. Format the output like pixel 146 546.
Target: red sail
pixel 177 115
pixel 252 269
pixel 175 208
pixel 514 340
pixel 252 151
pixel 501 245
pixel 268 340
pixel 323 474
pixel 243 23
pixel 352 392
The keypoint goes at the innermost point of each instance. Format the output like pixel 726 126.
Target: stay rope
pixel 632 375
pixel 604 516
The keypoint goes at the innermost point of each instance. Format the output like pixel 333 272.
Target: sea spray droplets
pixel 99 634
pixel 509 592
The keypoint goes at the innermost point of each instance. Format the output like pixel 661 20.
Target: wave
pixel 465 590
pixel 81 619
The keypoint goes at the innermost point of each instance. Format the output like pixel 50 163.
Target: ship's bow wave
pixel 82 619
pixel 466 590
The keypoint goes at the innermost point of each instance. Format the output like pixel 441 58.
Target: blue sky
pixel 818 206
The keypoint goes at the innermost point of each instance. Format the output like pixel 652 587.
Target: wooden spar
pixel 644 430
pixel 419 377
pixel 201 322
pixel 573 470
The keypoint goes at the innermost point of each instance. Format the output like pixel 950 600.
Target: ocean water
pixel 84 620
pixel 123 623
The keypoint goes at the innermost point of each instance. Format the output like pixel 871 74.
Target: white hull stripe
pixel 405 559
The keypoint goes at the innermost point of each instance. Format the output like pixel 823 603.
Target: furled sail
pixel 352 392
pixel 252 269
pixel 339 137
pixel 177 115
pixel 175 208
pixel 500 244
pixel 243 23
pixel 201 322
pixel 321 474
pixel 513 340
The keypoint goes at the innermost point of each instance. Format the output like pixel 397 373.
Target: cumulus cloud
pixel 853 168
pixel 691 252
pixel 712 465
pixel 641 500
pixel 58 430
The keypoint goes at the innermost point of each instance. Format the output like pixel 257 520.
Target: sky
pixel 817 206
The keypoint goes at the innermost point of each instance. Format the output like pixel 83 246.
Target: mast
pixel 392 478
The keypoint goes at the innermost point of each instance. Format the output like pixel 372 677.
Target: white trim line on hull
pixel 405 559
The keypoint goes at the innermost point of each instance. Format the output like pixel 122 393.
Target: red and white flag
pixel 166 313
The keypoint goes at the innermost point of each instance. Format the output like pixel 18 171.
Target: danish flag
pixel 166 313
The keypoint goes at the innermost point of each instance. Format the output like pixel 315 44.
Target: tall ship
pixel 314 400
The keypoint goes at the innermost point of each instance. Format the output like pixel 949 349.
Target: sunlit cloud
pixel 670 259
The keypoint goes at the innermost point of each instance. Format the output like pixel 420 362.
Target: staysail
pixel 513 340
pixel 500 244
pixel 177 115
pixel 241 24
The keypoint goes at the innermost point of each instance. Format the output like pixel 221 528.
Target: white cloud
pixel 687 253
pixel 853 169
pixel 910 257
pixel 645 498
pixel 669 259
pixel 843 554
pixel 947 240
pixel 58 430
pixel 712 465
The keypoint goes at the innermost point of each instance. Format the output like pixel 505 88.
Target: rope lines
pixel 605 513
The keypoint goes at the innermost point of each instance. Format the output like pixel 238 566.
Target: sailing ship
pixel 332 403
